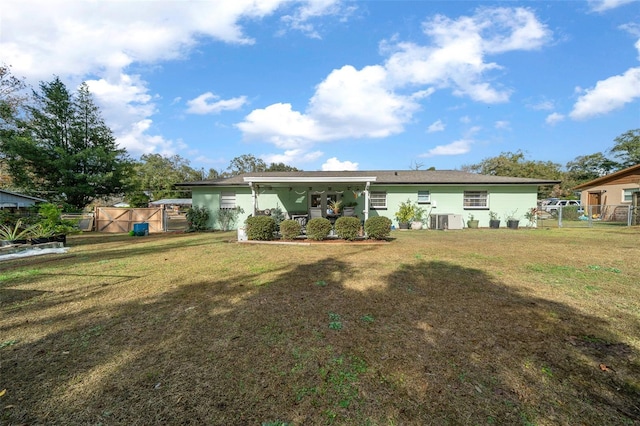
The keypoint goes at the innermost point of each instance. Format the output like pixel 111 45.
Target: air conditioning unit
pixel 446 221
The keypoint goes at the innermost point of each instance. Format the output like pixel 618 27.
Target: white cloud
pixel 456 57
pixel 608 95
pixel 293 157
pixel 100 40
pixel 554 118
pixel 208 103
pixel 373 102
pixel 603 5
pixel 544 105
pixel 333 164
pixel 465 119
pixel 455 148
pixel 349 103
pixel 502 124
pixel 301 18
pixel 436 126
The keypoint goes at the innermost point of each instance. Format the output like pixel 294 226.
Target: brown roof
pixel 390 177
pixel 633 170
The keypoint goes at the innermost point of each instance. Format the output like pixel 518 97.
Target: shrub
pixel 318 228
pixel 570 213
pixel 290 229
pixel 227 217
pixel 197 218
pixel 348 228
pixel 378 227
pixel 260 228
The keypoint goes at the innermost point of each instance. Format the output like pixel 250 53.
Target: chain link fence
pixel 592 216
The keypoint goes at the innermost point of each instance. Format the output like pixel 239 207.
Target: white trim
pixel 310 179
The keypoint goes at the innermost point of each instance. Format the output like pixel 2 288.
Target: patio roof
pixel 379 177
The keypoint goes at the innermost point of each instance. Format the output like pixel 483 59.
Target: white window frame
pixel 424 197
pixel 227 200
pixel 627 194
pixel 378 199
pixel 475 200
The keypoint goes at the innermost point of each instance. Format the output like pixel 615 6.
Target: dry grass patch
pixel 469 327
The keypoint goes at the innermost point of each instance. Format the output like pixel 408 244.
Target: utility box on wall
pixel 446 221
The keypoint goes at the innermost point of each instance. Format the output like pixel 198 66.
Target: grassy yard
pixel 531 327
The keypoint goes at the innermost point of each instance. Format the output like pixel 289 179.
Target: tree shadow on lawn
pixel 325 342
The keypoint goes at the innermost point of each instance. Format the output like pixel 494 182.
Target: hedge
pixel 378 227
pixel 318 228
pixel 348 227
pixel 290 229
pixel 260 228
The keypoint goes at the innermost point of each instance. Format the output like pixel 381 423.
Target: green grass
pixel 527 327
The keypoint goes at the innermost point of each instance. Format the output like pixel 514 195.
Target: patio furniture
pixel 315 212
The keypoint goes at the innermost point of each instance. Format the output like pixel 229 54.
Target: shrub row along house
pixel 304 195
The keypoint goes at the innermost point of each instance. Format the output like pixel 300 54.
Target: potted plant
pixel 405 213
pixel 472 222
pixel 494 220
pixel 52 222
pixel 39 234
pixel 335 206
pixel 16 234
pixel 512 220
pixel 418 217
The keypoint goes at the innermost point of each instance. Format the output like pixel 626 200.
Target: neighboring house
pixel 172 204
pixel 376 193
pixel 615 189
pixel 13 200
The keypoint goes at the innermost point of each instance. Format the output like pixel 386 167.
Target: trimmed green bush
pixel 570 213
pixel 318 228
pixel 348 227
pixel 290 229
pixel 260 228
pixel 378 227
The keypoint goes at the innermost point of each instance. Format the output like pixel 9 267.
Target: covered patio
pixel 307 197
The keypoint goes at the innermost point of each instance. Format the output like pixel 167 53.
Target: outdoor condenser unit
pixel 446 221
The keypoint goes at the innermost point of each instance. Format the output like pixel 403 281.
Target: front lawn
pixel 531 327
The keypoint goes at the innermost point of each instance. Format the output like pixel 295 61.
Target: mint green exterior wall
pixel 503 200
pixel 445 199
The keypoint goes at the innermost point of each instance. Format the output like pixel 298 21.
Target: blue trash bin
pixel 141 229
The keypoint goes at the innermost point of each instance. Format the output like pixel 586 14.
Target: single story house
pixel 373 193
pixel 613 190
pixel 13 200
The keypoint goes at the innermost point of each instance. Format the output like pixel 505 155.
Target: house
pixel 612 194
pixel 374 193
pixel 13 200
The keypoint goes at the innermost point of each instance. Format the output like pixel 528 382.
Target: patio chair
pixel 349 211
pixel 315 212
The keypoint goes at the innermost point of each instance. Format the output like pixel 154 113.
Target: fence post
pixel 635 204
pixel 560 216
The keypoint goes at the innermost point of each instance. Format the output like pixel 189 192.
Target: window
pixel 628 194
pixel 378 200
pixel 228 200
pixel 424 197
pixel 475 199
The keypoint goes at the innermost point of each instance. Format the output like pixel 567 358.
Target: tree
pixel 281 167
pixel 588 167
pixel 63 150
pixel 627 148
pixel 156 175
pixel 514 164
pixel 12 98
pixel 245 163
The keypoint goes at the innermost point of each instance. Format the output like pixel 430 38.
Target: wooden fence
pixel 120 220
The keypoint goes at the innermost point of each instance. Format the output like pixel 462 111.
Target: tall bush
pixel 378 227
pixel 227 217
pixel 347 227
pixel 260 228
pixel 318 228
pixel 197 218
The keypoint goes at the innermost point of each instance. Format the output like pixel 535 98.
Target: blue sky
pixel 342 85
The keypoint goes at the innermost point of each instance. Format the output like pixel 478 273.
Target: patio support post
pixel 366 201
pixel 254 198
